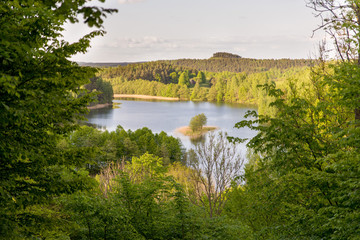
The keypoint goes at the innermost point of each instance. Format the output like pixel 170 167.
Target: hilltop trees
pixel 40 98
pixel 237 65
pixel 225 55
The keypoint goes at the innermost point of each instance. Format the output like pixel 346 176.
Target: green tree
pixel 201 77
pixel 40 98
pixel 184 79
pixel 311 153
pixel 151 205
pixel 140 200
pixel 174 77
pixel 183 92
pixel 103 89
pixel 197 122
pixel 309 149
pixel 195 92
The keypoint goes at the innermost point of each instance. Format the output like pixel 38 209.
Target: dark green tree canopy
pixel 103 89
pixel 225 55
pixel 40 97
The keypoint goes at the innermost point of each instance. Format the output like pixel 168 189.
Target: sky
pixel 148 30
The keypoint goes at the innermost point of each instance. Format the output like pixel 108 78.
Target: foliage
pixel 257 202
pixel 197 122
pixel 103 147
pixel 309 157
pixel 237 65
pixel 218 87
pixel 201 77
pixel 340 21
pixel 40 97
pixel 302 180
pixel 103 89
pixel 144 203
pixel 225 55
pixel 151 71
pixel 184 79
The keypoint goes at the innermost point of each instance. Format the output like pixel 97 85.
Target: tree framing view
pixel 63 178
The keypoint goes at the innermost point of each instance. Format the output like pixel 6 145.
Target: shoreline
pixel 97 106
pixel 149 97
pixel 145 97
pixel 186 131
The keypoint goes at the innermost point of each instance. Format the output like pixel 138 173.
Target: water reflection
pixel 198 140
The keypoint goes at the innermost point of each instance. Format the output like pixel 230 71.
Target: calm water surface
pixel 168 116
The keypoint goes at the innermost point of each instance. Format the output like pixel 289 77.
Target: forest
pixel 62 180
pixel 103 90
pixel 167 80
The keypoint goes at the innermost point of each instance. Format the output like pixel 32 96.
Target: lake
pixel 168 116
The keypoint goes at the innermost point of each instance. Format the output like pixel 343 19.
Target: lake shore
pixel 98 106
pixel 145 97
pixel 186 130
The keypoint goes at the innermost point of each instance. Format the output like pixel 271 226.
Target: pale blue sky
pixel 145 30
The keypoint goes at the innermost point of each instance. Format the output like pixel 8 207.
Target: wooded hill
pixel 248 65
pixel 185 79
pixel 152 71
pixel 160 70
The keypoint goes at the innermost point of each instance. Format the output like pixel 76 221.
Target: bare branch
pixel 216 164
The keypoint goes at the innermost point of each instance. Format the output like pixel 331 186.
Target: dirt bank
pixel 145 97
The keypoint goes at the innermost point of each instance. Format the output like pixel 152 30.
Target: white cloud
pixel 146 48
pixel 146 42
pixel 129 1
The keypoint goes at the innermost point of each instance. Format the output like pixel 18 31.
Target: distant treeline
pixel 186 79
pixel 106 64
pixel 151 71
pixel 247 65
pixel 218 87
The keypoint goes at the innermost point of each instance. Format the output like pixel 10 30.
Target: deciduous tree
pixel 40 97
pixel 197 122
pixel 184 79
pixel 310 156
pixel 341 21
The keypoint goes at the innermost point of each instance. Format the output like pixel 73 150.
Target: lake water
pixel 168 116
